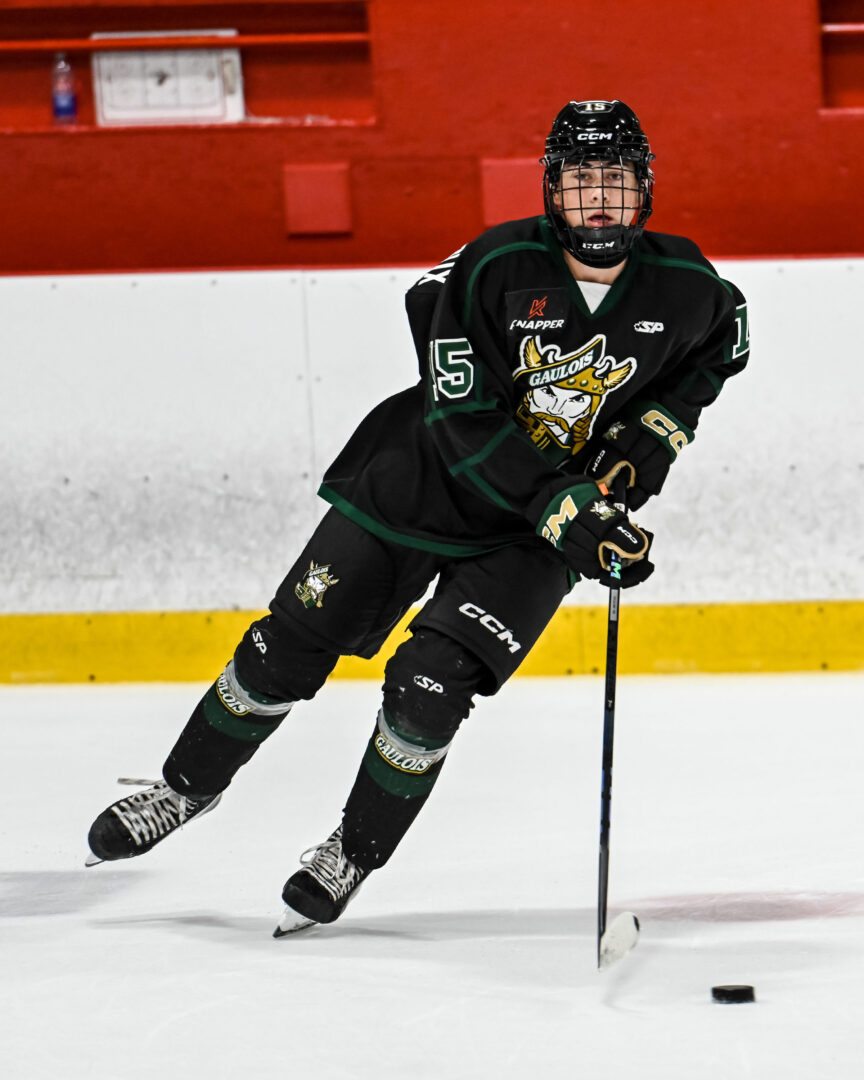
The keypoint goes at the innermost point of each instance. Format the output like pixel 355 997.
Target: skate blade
pixel 92 860
pixel 621 936
pixel 292 922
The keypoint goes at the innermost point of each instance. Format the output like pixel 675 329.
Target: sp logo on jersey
pixel 561 394
pixel 649 327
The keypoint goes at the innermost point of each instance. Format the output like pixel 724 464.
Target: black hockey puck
pixel 733 995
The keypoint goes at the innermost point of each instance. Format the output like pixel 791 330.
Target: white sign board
pixel 166 86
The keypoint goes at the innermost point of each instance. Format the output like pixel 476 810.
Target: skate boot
pixel 132 826
pixel 319 891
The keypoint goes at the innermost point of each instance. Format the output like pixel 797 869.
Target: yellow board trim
pixel 193 646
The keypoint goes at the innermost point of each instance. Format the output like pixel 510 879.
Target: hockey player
pixel 555 353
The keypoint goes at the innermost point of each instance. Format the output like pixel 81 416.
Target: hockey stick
pixel 622 934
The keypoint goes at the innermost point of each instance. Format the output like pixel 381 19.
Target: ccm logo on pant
pixel 490 623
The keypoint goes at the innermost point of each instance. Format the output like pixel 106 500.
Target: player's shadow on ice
pixel 58 892
pixel 396 926
pixel 578 922
pixel 532 924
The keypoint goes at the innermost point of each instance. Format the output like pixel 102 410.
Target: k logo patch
pixel 536 311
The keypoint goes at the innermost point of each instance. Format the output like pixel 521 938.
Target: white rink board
pixel 163 436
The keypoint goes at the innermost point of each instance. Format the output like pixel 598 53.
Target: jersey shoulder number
pixel 450 360
pixel 742 324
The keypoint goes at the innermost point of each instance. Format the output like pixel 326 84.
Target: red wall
pixel 732 94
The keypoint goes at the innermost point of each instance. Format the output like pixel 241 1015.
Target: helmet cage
pixel 573 142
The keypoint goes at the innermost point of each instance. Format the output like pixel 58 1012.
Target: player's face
pixel 596 195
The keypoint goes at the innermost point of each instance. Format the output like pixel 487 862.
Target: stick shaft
pixel 606 768
pixel 611 682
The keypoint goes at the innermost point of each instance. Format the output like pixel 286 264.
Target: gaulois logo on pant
pixel 316 581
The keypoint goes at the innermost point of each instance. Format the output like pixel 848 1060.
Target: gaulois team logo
pixel 561 394
pixel 316 581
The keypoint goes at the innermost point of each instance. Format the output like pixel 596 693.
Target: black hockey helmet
pixel 607 132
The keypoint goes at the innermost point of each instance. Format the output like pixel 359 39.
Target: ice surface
pixel 736 838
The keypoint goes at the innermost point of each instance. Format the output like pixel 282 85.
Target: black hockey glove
pixel 644 447
pixel 586 529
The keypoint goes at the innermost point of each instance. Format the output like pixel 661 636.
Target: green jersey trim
pixel 616 290
pixel 463 406
pixel 466 466
pixel 505 249
pixel 686 264
pixel 482 454
pixel 487 489
pixel 377 528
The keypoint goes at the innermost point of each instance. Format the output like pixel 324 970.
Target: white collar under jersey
pixel 593 292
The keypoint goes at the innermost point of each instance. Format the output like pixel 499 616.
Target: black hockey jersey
pixel 518 380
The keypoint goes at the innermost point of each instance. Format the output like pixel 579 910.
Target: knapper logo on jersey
pixel 561 394
pixel 535 319
pixel 316 581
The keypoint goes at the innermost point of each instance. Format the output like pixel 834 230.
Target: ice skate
pixel 320 890
pixel 132 826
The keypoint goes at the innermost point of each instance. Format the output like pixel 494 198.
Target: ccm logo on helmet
pixel 593 136
pixel 490 623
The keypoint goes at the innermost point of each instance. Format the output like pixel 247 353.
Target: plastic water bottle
pixel 64 100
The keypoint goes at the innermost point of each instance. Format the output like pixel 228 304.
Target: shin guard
pixel 226 728
pixel 395 779
pixel 429 685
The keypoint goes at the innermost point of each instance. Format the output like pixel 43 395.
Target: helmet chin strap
pixel 603 247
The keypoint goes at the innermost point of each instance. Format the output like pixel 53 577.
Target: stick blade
pixel 622 935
